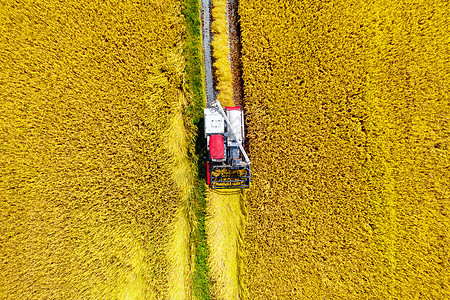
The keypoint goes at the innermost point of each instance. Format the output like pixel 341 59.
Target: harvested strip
pixel 225 222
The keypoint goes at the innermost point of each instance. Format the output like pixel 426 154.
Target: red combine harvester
pixel 228 166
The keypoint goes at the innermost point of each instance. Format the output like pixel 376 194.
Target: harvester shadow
pixel 202 281
pixel 200 148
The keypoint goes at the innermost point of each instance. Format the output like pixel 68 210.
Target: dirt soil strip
pixel 234 42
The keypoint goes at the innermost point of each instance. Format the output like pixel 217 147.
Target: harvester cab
pixel 228 166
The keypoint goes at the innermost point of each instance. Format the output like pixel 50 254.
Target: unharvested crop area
pixel 348 115
pixel 91 130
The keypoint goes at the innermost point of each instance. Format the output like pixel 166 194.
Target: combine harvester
pixel 228 166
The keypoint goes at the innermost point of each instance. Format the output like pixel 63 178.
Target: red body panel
pixel 216 146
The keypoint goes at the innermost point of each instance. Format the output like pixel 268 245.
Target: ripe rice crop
pixel 224 227
pixel 92 96
pixel 221 52
pixel 348 120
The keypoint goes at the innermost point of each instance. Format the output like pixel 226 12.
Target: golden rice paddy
pixel 91 92
pixel 347 110
pixel 348 115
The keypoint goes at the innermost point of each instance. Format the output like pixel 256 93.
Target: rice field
pixel 348 116
pixel 101 188
pixel 91 130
